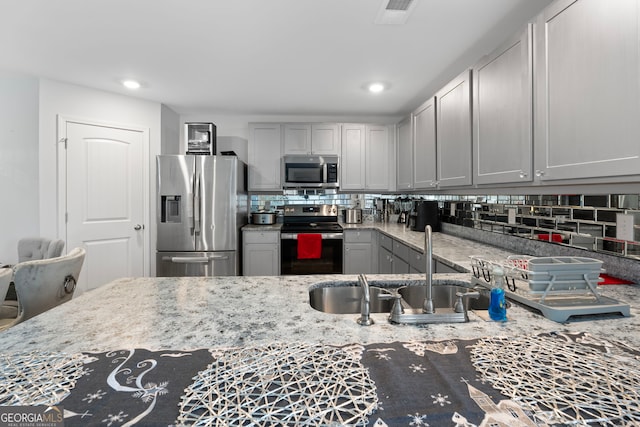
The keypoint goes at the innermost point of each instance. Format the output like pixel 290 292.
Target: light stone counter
pixel 188 313
pixel 262 227
pixel 455 244
pixel 451 250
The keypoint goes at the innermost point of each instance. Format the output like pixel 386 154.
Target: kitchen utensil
pixel 352 216
pixel 264 218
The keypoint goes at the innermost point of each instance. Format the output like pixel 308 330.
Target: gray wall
pixel 19 172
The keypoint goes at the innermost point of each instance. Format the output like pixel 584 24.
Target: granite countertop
pixel 197 312
pixel 262 227
pixel 451 250
pixel 188 313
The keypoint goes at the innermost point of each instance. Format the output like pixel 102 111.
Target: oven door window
pixel 304 173
pixel 330 261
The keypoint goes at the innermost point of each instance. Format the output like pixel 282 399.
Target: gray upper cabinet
pixel 587 90
pixel 297 138
pixel 404 165
pixel 368 158
pixel 352 170
pixel 424 140
pixel 453 136
pixel 304 138
pixel 265 148
pixel 502 113
pixel 380 158
pixel 325 138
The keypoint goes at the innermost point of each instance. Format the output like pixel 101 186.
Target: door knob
pixel 138 227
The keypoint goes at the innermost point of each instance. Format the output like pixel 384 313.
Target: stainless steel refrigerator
pixel 202 203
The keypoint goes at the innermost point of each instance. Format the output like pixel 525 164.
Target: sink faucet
pixel 428 301
pixel 365 303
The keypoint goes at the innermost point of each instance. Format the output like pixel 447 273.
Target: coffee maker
pixel 425 212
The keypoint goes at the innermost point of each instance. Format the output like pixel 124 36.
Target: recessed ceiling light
pixel 376 87
pixel 131 84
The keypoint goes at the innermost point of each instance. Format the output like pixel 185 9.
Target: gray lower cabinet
pixel 440 267
pixel 399 265
pixel 417 263
pixel 400 258
pixel 502 113
pixel 385 261
pixel 261 253
pixel 359 251
pixel 453 136
pixel 587 90
pixel 394 257
pixel 385 254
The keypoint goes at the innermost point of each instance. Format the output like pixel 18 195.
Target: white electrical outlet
pixel 624 226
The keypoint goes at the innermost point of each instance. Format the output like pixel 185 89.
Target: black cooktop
pixel 311 219
pixel 311 227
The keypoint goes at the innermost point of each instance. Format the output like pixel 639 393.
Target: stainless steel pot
pixel 264 218
pixel 352 216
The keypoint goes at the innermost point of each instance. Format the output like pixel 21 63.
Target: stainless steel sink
pixel 444 296
pixel 346 299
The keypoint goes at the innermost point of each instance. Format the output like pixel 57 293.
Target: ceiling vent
pixel 394 12
pixel 402 5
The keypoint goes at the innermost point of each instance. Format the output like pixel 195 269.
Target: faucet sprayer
pixel 428 301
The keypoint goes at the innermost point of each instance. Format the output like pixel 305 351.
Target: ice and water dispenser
pixel 170 210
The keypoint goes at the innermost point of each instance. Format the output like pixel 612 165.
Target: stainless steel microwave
pixel 310 171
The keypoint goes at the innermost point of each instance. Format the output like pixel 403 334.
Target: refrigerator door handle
pixel 186 259
pixel 190 208
pixel 194 259
pixel 196 206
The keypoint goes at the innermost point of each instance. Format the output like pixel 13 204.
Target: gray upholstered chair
pixel 33 248
pixel 5 278
pixel 44 284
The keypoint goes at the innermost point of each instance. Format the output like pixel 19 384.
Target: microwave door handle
pixel 324 173
pixel 196 205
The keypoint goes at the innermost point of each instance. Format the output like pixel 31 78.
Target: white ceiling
pixel 307 57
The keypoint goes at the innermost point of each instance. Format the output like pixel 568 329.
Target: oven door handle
pixel 325 236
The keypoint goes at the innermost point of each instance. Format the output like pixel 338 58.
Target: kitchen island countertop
pixel 189 313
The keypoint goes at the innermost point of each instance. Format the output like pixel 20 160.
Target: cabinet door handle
pixel 523 174
pixel 539 172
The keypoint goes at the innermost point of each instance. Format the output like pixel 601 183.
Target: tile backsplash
pixel 608 223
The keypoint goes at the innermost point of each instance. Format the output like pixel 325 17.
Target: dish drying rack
pixel 558 287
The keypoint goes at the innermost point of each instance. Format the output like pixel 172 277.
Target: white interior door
pixel 105 200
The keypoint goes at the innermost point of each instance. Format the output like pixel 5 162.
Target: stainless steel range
pixel 311 240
